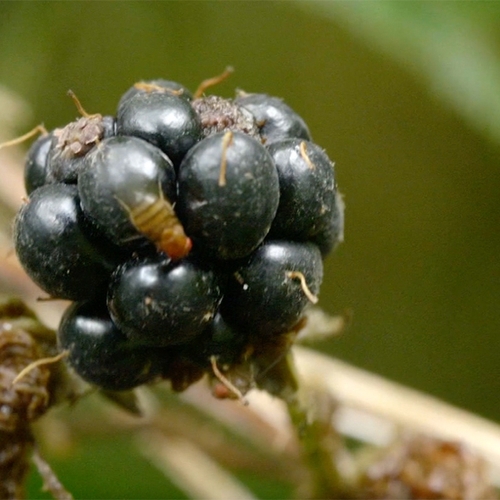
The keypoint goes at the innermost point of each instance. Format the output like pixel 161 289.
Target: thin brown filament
pixel 210 82
pixel 39 129
pixel 226 382
pixel 152 87
pixel 307 291
pixel 303 153
pixel 78 105
pixel 37 363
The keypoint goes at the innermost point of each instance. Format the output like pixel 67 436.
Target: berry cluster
pixel 189 231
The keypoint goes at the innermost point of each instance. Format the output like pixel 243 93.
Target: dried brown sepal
pixel 423 467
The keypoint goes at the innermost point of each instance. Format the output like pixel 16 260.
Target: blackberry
pixel 190 230
pixel 54 247
pixel 157 302
pixel 228 194
pixel 99 352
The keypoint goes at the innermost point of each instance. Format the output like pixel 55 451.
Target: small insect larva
pixel 157 221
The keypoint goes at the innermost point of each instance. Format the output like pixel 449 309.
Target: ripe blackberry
pixel 160 303
pixel 54 247
pixel 99 352
pixel 228 194
pixel 202 220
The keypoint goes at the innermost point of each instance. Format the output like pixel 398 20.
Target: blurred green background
pixel 404 97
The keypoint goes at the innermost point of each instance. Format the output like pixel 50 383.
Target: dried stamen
pixel 226 382
pixel 152 87
pixel 303 153
pixel 307 292
pixel 210 82
pixel 79 106
pixel 39 129
pixel 226 142
pixel 37 363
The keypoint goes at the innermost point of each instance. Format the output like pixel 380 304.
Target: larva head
pixel 175 243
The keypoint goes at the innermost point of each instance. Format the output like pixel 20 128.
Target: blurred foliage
pixel 404 96
pixel 454 49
